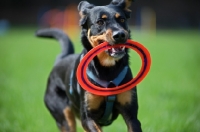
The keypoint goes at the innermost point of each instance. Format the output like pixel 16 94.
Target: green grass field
pixel 169 97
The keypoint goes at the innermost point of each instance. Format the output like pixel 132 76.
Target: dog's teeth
pixel 113 50
pixel 123 47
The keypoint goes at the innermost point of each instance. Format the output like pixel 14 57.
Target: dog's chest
pixel 93 102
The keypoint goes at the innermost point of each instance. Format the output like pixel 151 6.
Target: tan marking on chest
pixel 106 60
pixel 93 101
pixel 97 127
pixel 125 97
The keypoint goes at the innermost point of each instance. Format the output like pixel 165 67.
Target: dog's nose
pixel 119 36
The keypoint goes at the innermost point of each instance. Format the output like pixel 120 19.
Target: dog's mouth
pixel 115 52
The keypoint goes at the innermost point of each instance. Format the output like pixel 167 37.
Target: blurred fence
pixel 66 19
pixel 160 14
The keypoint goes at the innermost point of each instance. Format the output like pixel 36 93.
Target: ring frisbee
pixel 88 86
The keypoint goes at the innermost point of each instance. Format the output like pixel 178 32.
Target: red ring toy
pixel 88 86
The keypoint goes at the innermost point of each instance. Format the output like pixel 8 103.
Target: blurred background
pixel 63 13
pixel 168 97
pixel 179 13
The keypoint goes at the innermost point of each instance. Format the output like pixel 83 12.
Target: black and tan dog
pixel 64 97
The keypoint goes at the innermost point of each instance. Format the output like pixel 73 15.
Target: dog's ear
pixel 125 4
pixel 83 9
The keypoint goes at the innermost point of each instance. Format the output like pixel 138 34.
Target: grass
pixel 168 97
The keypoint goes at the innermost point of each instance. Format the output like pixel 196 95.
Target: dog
pixel 65 98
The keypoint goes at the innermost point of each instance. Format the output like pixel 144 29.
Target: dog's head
pixel 105 23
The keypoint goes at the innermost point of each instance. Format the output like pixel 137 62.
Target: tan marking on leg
pixel 98 128
pixel 63 129
pixel 125 97
pixel 117 15
pixel 70 118
pixel 130 127
pixel 93 101
pixel 104 16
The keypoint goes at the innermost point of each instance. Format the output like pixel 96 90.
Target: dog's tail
pixel 65 42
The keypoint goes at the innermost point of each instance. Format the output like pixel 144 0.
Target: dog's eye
pixel 100 22
pixel 122 20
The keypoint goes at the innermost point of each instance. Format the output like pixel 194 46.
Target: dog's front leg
pixel 128 107
pixel 89 125
pixel 130 117
pixel 133 125
pixel 91 103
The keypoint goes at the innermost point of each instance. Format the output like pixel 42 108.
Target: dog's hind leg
pixel 70 118
pixel 57 102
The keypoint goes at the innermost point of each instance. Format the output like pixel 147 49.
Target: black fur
pixel 58 96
